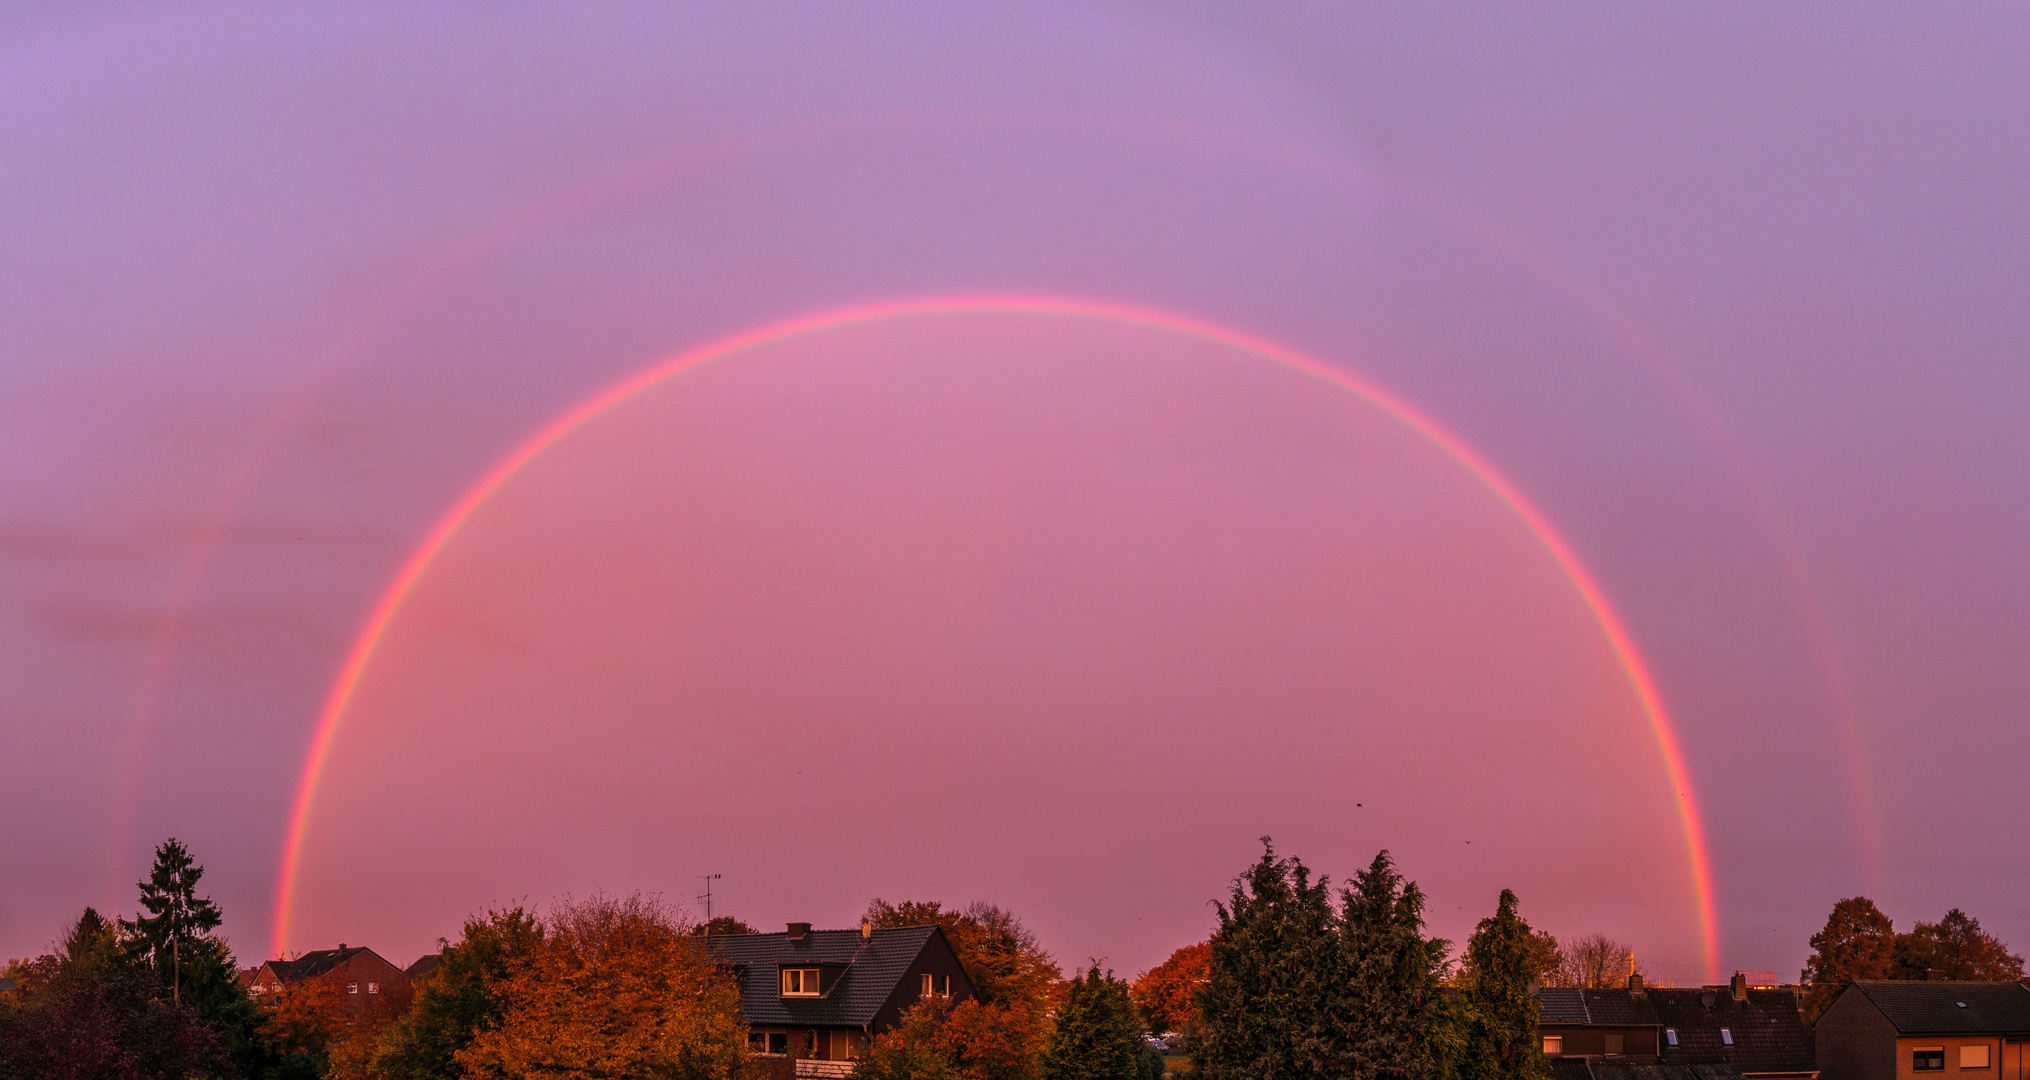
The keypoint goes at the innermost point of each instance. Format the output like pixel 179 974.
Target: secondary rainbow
pixel 419 561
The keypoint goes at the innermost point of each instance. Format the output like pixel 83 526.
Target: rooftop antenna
pixel 706 896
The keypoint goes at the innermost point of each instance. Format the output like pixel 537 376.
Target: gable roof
pixel 1767 1031
pixel 425 966
pixel 312 964
pixel 874 967
pixel 1934 1008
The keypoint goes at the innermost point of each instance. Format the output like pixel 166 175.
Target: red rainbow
pixel 419 561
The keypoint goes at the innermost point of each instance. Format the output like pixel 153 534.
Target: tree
pixel 1265 1007
pixel 86 1012
pixel 617 987
pixel 1597 961
pixel 1387 987
pixel 1166 994
pixel 1495 1018
pixel 178 916
pixel 722 926
pixel 969 1040
pixel 1094 1037
pixel 1858 942
pixel 1954 947
pixel 1002 958
pixel 463 996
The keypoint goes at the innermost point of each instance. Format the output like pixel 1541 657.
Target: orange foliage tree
pixel 1165 995
pixel 937 1040
pixel 618 987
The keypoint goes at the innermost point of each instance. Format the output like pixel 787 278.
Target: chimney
pixel 799 931
pixel 1740 987
pixel 341 946
pixel 866 928
pixel 1635 984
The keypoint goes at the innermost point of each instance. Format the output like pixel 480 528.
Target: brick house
pixel 358 973
pixel 821 995
pixel 1713 1031
pixel 1910 1030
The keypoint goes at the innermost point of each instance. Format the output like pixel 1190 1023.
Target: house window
pixel 799 982
pixel 373 988
pixel 1974 1057
pixel 352 988
pixel 931 984
pixel 778 1042
pixel 1927 1059
pixel 1726 1037
pixel 1615 1043
pixel 1554 1044
pixel 1670 1036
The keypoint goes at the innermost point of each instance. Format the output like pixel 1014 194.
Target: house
pixel 1902 1030
pixel 822 994
pixel 1713 1031
pixel 425 966
pixel 357 972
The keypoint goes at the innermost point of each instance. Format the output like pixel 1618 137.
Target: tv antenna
pixel 706 896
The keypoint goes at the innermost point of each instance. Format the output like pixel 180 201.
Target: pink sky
pixel 1062 616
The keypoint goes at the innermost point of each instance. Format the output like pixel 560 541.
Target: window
pixel 757 1041
pixel 932 984
pixel 373 988
pixel 1726 1037
pixel 799 982
pixel 778 1042
pixel 1554 1044
pixel 1927 1059
pixel 1670 1036
pixel 1616 1042
pixel 352 988
pixel 1974 1057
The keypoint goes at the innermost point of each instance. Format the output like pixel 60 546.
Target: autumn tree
pixel 464 995
pixel 1954 947
pixel 1857 942
pixel 1166 995
pixel 616 987
pixel 1597 961
pixel 1265 1007
pixel 937 1039
pixel 1003 959
pixel 1094 1037
pixel 1494 1020
pixel 1387 985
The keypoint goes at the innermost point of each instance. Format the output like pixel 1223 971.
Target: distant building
pixel 358 973
pixel 1675 1034
pixel 821 995
pixel 425 966
pixel 1903 1030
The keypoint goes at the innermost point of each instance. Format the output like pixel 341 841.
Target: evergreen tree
pixel 1496 1014
pixel 1094 1038
pixel 1388 985
pixel 1265 1010
pixel 178 917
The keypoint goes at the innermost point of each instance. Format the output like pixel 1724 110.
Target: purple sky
pixel 1058 615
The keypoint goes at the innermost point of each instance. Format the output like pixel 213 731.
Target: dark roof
pixel 875 966
pixel 312 964
pixel 1622 1070
pixel 1769 1035
pixel 1562 1005
pixel 425 966
pixel 1933 1008
pixel 6 984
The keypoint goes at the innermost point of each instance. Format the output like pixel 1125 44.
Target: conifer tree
pixel 164 939
pixel 1266 1007
pixel 1388 986
pixel 1094 1038
pixel 1497 1013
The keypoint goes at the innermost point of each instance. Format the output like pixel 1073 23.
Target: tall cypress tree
pixel 1388 988
pixel 1266 1006
pixel 1497 1013
pixel 1094 1037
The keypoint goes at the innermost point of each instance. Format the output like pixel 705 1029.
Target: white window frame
pixel 1670 1036
pixel 352 988
pixel 373 988
pixel 806 980
pixel 1726 1036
